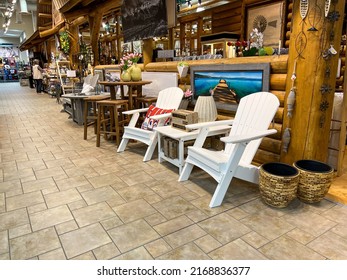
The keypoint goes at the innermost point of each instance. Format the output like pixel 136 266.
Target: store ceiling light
pixel 8 14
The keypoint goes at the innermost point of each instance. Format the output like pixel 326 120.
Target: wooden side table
pixel 182 136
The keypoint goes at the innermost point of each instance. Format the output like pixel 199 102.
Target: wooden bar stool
pixel 90 114
pixel 110 120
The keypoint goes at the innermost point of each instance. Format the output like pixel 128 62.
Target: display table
pixel 113 85
pixel 77 106
pixel 182 136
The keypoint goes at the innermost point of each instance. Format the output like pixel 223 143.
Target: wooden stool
pixel 144 101
pixel 110 116
pixel 90 114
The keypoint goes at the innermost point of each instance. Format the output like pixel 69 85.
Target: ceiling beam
pixel 69 5
pixel 45 2
pixel 43 15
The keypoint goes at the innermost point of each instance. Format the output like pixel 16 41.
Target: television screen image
pixel 229 83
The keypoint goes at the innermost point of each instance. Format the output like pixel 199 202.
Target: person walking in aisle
pixel 37 75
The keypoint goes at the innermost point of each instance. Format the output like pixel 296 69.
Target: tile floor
pixel 63 198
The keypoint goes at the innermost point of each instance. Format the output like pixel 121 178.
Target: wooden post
pixel 94 25
pixel 148 46
pixel 74 45
pixel 119 45
pixel 310 123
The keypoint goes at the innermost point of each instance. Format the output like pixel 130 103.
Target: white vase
pixel 182 71
pixel 206 109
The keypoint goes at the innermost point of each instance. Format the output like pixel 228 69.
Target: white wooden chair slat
pixel 169 98
pixel 252 120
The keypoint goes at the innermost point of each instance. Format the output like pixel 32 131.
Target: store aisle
pixel 63 198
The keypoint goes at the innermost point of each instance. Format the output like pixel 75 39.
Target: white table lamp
pixel 206 108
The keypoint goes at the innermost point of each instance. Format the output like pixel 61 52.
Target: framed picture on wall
pixel 268 18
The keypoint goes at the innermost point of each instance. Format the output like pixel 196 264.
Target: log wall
pixel 270 147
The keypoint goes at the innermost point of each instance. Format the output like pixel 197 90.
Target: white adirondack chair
pixel 253 117
pixel 169 98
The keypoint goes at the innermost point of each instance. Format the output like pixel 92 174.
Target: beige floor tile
pixel 184 236
pixel 24 200
pixel 72 182
pixel 89 256
pixel 337 214
pixel 139 177
pixel 207 243
pixel 37 208
pixel 63 197
pixel 43 156
pixel 170 189
pixel 86 161
pixel 19 231
pixel 224 228
pixel 237 250
pixel 5 256
pixel 77 204
pixel 55 172
pixel 137 254
pixel 86 171
pixel 34 164
pixel 57 254
pixel 173 225
pixel 10 186
pixel 4 248
pixel 158 247
pixel 50 217
pixel 301 236
pixel 189 251
pixel 34 244
pixel 267 226
pixel 310 222
pixel 330 245
pixel 105 180
pixel 111 223
pixel 203 203
pixel 139 209
pixel 2 203
pixel 174 207
pixel 155 219
pixel 37 185
pixel 286 248
pixel 132 235
pixel 106 252
pixel 18 174
pixel 254 239
pixel 100 194
pixel 135 192
pixel 237 213
pixel 66 227
pixel 93 213
pixel 83 240
pixel 197 216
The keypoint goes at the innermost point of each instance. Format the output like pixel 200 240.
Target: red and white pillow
pixel 149 123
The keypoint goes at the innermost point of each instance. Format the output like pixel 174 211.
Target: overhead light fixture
pixel 8 14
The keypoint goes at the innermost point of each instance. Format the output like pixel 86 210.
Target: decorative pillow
pixel 149 123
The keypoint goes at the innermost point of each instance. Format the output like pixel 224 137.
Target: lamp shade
pixel 206 109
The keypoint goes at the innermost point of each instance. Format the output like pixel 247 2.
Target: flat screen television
pixel 229 82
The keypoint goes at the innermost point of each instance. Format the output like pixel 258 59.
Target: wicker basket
pixel 315 180
pixel 278 183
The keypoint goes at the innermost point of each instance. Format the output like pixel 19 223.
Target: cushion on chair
pixel 149 123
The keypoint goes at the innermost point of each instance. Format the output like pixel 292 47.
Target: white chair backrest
pixel 170 98
pixel 254 113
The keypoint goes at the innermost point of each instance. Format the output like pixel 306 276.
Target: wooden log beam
pixel 43 15
pixel 94 24
pixel 310 125
pixel 45 2
pixel 69 5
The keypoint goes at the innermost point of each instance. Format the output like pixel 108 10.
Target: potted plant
pixel 182 68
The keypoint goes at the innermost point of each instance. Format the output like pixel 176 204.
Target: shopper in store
pixel 37 75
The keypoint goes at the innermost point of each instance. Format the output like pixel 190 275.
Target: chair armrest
pixel 248 137
pixel 209 124
pixel 131 112
pixel 161 116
